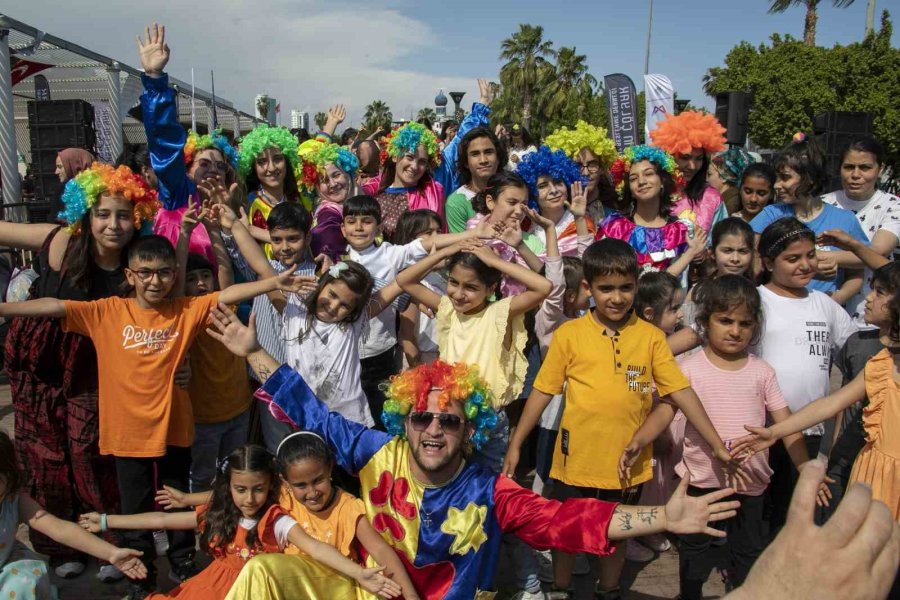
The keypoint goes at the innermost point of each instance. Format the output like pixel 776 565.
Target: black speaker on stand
pixel 733 112
pixel 834 131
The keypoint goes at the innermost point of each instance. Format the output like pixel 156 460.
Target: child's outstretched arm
pixel 70 534
pixel 285 282
pixel 42 307
pixel 657 421
pixel 483 231
pixel 383 298
pixel 683 340
pixel 225 275
pixel 385 555
pixel 94 522
pixel 696 245
pixel 241 341
pixel 855 253
pixel 539 287
pixel 189 221
pixel 171 498
pixel 410 278
pixel 811 414
pixel 370 579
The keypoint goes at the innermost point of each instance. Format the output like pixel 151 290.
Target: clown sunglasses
pixel 420 421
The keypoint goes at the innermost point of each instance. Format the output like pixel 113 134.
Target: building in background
pixel 440 106
pixel 299 119
pixel 266 108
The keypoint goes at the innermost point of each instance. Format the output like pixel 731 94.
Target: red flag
pixel 278 108
pixel 23 69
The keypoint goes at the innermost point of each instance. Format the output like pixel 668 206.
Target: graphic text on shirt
pixel 148 341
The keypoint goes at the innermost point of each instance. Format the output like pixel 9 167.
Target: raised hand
pixel 240 339
pixel 577 203
pixel 323 262
pixel 154 52
pixel 538 219
pixel 90 522
pixel 486 230
pixel 626 461
pixel 693 514
pixel 287 282
pixel 485 92
pixel 225 215
pixel 337 114
pixel 512 234
pixel 375 582
pixel 170 498
pixel 214 191
pixel 191 218
pixel 127 561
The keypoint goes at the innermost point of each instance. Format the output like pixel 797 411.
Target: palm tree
pixel 320 120
pixel 526 54
pixel 809 27
pixel 570 81
pixel 378 116
pixel 427 114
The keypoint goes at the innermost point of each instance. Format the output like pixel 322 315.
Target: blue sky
pixel 310 53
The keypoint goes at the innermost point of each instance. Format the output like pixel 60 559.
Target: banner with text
pixel 622 101
pixel 660 95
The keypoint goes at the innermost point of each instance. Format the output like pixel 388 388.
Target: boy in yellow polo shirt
pixel 608 362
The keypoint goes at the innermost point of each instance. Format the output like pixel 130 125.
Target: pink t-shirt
pixel 732 399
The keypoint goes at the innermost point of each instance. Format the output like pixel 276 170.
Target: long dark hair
pixel 414 223
pixel 303 445
pixel 665 195
pixel 80 254
pixel 498 182
pixel 219 523
pixel 291 192
pixel 356 277
pixel 389 172
pixel 9 467
pixel 697 185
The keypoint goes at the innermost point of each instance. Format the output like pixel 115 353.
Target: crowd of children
pixel 643 348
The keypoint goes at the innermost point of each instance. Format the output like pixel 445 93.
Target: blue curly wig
pixel 458 382
pixel 545 161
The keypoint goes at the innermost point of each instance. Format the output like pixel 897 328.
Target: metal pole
pixel 649 29
pixel 870 17
pixel 115 109
pixel 237 124
pixel 9 159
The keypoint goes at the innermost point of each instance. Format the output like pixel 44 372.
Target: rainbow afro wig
pixel 195 143
pixel 573 141
pixel 257 141
pixel 315 155
pixel 405 140
pixel 84 190
pixel 632 154
pixel 680 134
pixel 408 392
pixel 545 161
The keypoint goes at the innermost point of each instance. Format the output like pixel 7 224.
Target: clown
pixel 646 178
pixel 268 164
pixel 556 190
pixel 180 160
pixel 690 137
pixel 328 174
pixel 443 515
pixel 592 150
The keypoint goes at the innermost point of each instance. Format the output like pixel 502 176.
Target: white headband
pixel 278 450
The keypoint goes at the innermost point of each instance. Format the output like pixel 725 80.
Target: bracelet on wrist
pixel 104 525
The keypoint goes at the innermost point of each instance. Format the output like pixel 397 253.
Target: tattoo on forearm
pixel 624 519
pixel 259 367
pixel 648 515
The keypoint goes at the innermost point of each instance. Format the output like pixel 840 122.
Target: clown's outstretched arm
pixel 165 135
pixel 291 400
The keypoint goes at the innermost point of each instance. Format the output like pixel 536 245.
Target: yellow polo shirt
pixel 608 382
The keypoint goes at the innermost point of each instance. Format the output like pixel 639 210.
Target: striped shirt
pixel 269 324
pixel 732 399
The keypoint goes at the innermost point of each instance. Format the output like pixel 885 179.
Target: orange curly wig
pixel 680 134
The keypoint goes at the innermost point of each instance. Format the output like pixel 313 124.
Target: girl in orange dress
pixel 878 463
pixel 242 519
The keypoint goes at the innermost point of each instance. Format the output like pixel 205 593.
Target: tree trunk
pixel 526 109
pixel 809 27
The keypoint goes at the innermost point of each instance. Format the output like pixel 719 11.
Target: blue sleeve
pixel 291 400
pixel 447 174
pixel 764 219
pixel 856 230
pixel 165 140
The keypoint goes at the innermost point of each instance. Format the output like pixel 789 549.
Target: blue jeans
pixel 212 443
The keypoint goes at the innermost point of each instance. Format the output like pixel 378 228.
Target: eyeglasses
pixel 591 167
pixel 209 165
pixel 145 275
pixel 420 421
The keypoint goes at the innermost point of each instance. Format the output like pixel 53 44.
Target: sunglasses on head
pixel 421 420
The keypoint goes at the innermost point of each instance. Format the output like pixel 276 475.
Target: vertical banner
pixel 41 88
pixel 622 101
pixel 660 96
pixel 103 130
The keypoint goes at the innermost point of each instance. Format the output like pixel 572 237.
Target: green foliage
pixel 791 82
pixel 426 113
pixel 320 120
pixel 378 116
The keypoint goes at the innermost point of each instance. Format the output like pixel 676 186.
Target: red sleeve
pixel 576 525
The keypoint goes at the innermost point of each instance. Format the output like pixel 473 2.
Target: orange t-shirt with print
pixel 138 350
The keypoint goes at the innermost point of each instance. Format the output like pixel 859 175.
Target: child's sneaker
pixel 613 594
pixel 637 552
pixel 69 569
pixel 526 595
pixel 556 593
pixel 657 542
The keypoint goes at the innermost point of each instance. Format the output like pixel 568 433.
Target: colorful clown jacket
pixel 448 537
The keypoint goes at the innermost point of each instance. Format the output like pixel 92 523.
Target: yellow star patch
pixel 467 526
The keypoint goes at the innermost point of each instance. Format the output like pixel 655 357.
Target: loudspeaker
pixel 733 111
pixel 834 131
pixel 55 125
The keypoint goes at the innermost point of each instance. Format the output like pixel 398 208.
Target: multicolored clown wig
pixel 680 134
pixel 84 190
pixel 544 161
pixel 620 169
pixel 315 155
pixel 408 392
pixel 405 140
pixel 573 141
pixel 195 143
pixel 257 141
pixel 731 164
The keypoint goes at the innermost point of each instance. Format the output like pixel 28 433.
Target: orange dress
pixel 878 463
pixel 215 581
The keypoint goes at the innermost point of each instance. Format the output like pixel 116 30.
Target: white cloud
pixel 306 53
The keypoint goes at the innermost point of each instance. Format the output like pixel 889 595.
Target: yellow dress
pixel 258 213
pixel 479 339
pixel 878 463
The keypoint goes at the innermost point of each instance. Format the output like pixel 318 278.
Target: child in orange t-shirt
pixel 146 421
